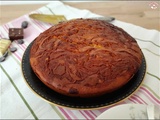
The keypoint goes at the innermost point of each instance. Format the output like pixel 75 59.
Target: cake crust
pixel 85 57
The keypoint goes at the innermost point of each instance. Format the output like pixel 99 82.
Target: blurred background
pixel 142 13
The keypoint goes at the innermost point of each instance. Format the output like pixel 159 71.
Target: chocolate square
pixel 15 33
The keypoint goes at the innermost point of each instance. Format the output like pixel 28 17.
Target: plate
pixel 80 103
pixel 126 111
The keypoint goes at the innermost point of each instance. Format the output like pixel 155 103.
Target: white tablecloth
pixel 17 100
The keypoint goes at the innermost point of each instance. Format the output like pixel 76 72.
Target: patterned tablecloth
pixel 17 100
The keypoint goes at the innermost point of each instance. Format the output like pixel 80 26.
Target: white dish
pixel 126 111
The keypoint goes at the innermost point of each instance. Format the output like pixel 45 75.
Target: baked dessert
pixel 85 57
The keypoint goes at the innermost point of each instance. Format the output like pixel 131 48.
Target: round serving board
pixel 79 103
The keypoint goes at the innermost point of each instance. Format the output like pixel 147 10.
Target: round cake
pixel 85 57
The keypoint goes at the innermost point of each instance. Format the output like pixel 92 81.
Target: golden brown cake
pixel 85 57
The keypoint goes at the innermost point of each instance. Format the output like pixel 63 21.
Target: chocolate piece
pixel 73 91
pixel 24 24
pixel 20 41
pixel 2 59
pixel 13 49
pixel 5 54
pixel 15 33
pixel 4 44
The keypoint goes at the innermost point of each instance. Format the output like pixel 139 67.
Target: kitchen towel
pixel 18 101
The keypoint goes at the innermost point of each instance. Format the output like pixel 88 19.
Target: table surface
pixel 138 13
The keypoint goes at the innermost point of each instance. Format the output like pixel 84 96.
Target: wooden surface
pixel 138 13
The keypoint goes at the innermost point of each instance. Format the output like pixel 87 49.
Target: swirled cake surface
pixel 85 57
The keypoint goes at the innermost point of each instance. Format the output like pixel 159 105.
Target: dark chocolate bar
pixel 15 33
